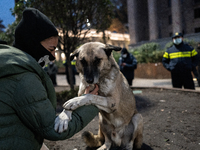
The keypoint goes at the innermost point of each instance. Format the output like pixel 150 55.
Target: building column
pixel 153 20
pixel 132 21
pixel 176 16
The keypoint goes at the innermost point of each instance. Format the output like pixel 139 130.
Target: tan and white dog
pixel 120 125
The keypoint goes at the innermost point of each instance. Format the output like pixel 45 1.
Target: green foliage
pixel 191 42
pixel 152 53
pixel 169 44
pixel 8 35
pixel 19 8
pixel 1 26
pixel 148 53
pixel 121 10
pixel 59 64
pixel 116 55
pixel 72 18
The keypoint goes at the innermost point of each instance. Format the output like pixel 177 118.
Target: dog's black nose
pixel 90 80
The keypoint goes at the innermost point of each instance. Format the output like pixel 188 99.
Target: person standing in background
pixel 198 66
pixel 74 72
pixel 127 64
pixel 180 59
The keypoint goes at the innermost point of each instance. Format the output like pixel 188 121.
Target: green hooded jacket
pixel 27 104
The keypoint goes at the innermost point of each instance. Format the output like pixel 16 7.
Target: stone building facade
pixel 151 20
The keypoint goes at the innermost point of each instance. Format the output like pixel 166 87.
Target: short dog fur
pixel 120 125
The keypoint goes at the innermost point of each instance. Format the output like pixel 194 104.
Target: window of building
pixel 169 3
pixel 197 13
pixel 170 34
pixel 170 19
pixel 196 30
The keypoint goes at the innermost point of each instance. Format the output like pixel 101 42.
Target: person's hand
pixel 95 91
pixel 61 121
pixel 123 64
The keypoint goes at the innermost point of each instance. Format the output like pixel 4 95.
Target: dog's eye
pixel 97 61
pixel 83 62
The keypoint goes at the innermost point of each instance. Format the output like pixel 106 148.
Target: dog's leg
pixel 106 145
pixel 104 103
pixel 106 133
pixel 92 140
pixel 116 138
pixel 138 130
pixel 81 89
pixel 129 146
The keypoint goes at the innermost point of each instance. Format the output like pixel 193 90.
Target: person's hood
pixel 33 28
pixel 124 51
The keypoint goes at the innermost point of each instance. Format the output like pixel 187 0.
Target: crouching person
pixel 27 95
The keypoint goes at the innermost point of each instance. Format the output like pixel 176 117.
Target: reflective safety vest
pixel 174 55
pixel 180 58
pixel 73 62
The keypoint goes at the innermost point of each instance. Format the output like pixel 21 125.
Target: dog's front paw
pixel 76 102
pixel 72 104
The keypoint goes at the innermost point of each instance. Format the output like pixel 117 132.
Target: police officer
pixel 74 72
pixel 127 64
pixel 180 59
pixel 198 66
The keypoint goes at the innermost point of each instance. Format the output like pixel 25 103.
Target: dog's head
pixel 94 59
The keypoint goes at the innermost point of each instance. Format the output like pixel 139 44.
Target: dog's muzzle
pixel 89 80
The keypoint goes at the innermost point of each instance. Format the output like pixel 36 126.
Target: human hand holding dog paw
pixel 94 91
pixel 61 121
pixel 76 102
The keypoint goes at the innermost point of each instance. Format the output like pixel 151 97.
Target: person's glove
pixel 61 121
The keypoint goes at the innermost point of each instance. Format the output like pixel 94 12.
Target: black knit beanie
pixel 32 29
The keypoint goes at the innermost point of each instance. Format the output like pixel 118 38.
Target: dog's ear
pixel 74 54
pixel 109 48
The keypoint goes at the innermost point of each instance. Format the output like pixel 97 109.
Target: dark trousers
pixel 198 70
pixel 130 81
pixel 182 79
pixel 53 79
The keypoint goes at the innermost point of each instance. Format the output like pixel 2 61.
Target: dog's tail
pixel 92 140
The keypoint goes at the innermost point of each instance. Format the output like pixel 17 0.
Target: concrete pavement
pixel 137 82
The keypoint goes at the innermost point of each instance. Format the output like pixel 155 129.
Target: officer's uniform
pixel 74 72
pixel 180 60
pixel 198 66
